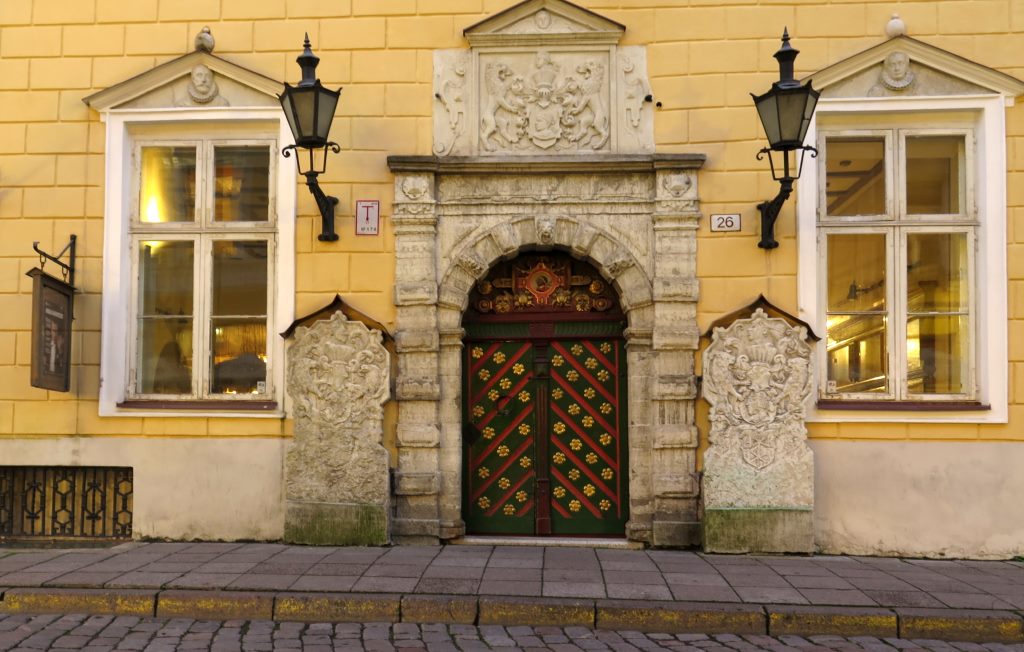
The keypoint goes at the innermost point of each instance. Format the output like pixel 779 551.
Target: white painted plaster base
pixel 185 488
pixel 929 499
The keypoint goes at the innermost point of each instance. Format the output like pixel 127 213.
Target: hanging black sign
pixel 52 310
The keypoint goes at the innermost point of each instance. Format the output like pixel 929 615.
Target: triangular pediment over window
pixel 539 22
pixel 906 67
pixel 199 79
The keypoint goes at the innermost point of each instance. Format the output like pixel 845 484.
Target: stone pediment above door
pixel 906 67
pixel 544 77
pixel 199 79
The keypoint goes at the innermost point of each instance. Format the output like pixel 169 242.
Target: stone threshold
pixel 550 542
pixel 982 626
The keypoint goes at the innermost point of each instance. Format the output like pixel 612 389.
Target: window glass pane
pixel 937 272
pixel 241 187
pixel 857 358
pixel 855 176
pixel 936 354
pixel 933 175
pixel 856 317
pixel 167 185
pixel 856 272
pixel 239 317
pixel 164 363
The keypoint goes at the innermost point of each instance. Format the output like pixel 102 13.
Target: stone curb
pixel 118 602
pixel 338 607
pixel 215 605
pixel 837 621
pixel 983 626
pixel 557 612
pixel 961 625
pixel 680 617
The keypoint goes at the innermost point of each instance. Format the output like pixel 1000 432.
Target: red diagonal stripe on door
pixel 475 365
pixel 576 492
pixel 500 437
pixel 613 367
pixel 500 373
pixel 508 495
pixel 561 510
pixel 497 474
pixel 486 418
pixel 596 384
pixel 590 442
pixel 586 469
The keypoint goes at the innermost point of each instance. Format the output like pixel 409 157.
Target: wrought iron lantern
pixel 785 112
pixel 309 109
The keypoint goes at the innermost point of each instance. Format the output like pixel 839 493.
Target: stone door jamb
pixel 654 275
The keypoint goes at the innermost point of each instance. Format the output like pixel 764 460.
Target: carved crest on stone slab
pixel 757 379
pixel 542 77
pixel 338 381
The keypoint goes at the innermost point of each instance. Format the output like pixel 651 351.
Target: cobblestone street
pixel 20 633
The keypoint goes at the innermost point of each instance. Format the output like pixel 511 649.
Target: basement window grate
pixel 65 503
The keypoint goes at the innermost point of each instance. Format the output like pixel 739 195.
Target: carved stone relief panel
pixel 338 379
pixel 542 101
pixel 757 379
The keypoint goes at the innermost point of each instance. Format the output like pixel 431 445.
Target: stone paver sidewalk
pixel 892 591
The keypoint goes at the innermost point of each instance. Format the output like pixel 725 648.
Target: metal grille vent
pixel 65 502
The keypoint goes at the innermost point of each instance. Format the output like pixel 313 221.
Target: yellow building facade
pixel 914 452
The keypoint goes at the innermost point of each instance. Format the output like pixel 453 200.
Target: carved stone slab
pixel 544 78
pixel 757 380
pixel 336 469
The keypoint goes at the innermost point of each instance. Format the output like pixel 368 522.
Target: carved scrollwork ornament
pixel 676 184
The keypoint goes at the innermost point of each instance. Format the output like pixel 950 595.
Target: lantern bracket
pixel 770 209
pixel 325 203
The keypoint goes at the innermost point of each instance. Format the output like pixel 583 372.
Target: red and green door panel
pixel 546 449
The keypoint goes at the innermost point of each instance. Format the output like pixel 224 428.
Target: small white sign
pixel 367 217
pixel 725 222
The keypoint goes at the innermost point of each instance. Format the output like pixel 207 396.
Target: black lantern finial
pixel 785 112
pixel 309 109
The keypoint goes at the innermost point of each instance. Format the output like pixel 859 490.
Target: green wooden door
pixel 545 435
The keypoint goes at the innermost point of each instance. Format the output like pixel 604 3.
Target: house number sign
pixel 725 222
pixel 367 217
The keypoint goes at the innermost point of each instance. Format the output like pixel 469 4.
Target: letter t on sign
pixel 367 217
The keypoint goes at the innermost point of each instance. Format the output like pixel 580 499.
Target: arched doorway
pixel 545 448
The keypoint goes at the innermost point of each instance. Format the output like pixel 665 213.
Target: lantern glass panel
pixel 289 110
pixel 305 105
pixel 325 114
pixel 768 110
pixel 791 116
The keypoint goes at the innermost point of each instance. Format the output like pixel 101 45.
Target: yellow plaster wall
pixel 705 56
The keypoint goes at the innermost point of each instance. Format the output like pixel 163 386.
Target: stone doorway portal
pixel 545 428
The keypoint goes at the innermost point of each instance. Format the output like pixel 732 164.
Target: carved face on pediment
pixel 906 67
pixel 198 79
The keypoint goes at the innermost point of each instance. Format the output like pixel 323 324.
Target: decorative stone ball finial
pixel 204 40
pixel 895 27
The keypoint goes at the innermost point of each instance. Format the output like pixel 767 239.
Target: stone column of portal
pixel 675 341
pixel 416 338
pixel 336 468
pixel 758 469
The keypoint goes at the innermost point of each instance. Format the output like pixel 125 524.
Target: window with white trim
pixel 897 231
pixel 202 233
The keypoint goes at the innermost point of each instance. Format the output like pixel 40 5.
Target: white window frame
pixel 989 284
pixel 126 128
